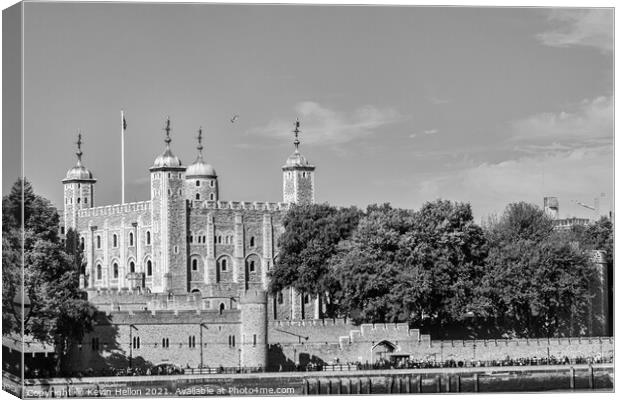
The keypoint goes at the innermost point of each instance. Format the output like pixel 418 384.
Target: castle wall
pixel 97 226
pixel 325 341
pixel 242 235
pixel 172 337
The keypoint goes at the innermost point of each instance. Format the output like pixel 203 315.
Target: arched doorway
pixel 381 351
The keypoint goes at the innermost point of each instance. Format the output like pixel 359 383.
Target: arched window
pixel 148 237
pixel 132 267
pixel 114 240
pixel 194 265
pixel 98 271
pixel 197 196
pixel 212 183
pixel 252 241
pixel 82 243
pixel 149 268
pixel 131 238
pixel 115 271
pixel 204 239
pixel 222 308
pixel 223 265
pixel 197 183
pixel 191 238
pixel 211 196
pixel 252 268
pixel 85 200
pixel 219 239
pixel 79 200
pixel 280 298
pixel 98 241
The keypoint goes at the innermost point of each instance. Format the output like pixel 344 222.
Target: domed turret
pixel 169 222
pixel 298 176
pixel 200 168
pixel 79 190
pixel 167 159
pixel 79 172
pixel 200 177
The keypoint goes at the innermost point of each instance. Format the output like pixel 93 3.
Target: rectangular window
pixel 254 341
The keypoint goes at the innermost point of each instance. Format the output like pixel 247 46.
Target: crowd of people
pixel 335 365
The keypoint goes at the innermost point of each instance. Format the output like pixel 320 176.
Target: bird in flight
pixel 234 118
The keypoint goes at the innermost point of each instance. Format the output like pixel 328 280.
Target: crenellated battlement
pixel 169 317
pixel 115 209
pixel 238 205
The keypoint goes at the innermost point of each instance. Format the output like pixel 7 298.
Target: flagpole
pixel 122 157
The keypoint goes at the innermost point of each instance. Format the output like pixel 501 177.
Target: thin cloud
pixel 491 186
pixel 439 101
pixel 580 27
pixel 324 126
pixel 425 132
pixel 592 120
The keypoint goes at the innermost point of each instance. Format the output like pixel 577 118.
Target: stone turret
pixel 200 178
pixel 169 222
pixel 79 190
pixel 253 305
pixel 298 176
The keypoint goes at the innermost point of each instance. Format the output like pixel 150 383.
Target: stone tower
pixel 79 190
pixel 200 178
pixel 298 176
pixel 169 222
pixel 551 207
pixel 253 305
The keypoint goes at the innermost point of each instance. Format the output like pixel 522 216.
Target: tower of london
pixel 187 250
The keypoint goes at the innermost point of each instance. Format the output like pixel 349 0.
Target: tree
pixel 58 312
pixel 535 279
pixel 11 288
pixel 310 238
pixel 73 247
pixel 420 267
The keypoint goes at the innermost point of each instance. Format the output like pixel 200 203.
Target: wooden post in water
pixel 458 383
pixel 448 388
pixel 438 383
pixel 572 378
pixel 408 383
pixel 476 383
pixel 369 385
pixel 419 383
pixel 591 376
pixel 389 383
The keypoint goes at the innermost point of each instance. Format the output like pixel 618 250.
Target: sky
pixel 397 104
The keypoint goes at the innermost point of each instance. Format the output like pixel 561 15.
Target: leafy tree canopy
pixel 310 238
pixel 58 312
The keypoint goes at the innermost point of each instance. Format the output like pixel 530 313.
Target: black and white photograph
pixel 244 199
